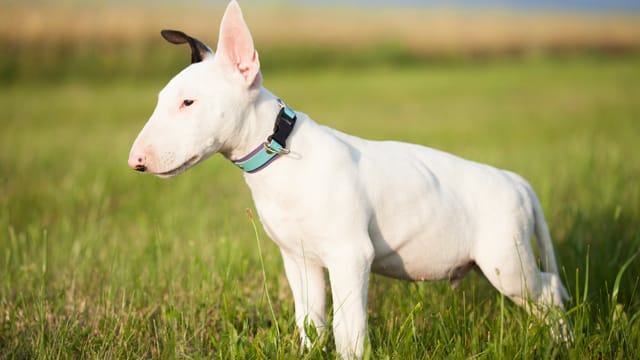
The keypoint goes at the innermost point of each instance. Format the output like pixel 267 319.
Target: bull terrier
pixel 334 201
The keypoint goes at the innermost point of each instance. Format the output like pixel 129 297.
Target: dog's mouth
pixel 182 168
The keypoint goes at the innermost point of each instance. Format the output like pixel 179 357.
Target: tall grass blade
pixel 616 284
pixel 264 272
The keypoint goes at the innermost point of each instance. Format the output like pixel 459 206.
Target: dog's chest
pixel 287 223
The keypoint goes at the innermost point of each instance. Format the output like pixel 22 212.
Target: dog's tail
pixel 545 245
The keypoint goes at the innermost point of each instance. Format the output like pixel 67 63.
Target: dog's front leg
pixel 309 293
pixel 349 275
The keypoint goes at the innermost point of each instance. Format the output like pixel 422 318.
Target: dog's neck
pixel 256 126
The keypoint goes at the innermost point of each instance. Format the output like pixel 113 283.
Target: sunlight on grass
pixel 98 261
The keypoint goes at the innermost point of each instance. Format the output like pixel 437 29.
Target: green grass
pixel 97 261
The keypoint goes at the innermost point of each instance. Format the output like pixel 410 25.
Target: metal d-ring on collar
pixel 275 145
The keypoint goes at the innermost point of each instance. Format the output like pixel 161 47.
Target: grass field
pixel 97 261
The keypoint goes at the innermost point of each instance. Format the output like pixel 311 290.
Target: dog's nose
pixel 138 162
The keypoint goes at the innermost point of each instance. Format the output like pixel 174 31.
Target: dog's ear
pixel 235 45
pixel 199 51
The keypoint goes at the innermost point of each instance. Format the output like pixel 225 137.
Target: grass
pixel 97 261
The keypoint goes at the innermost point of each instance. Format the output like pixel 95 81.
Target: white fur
pixel 350 205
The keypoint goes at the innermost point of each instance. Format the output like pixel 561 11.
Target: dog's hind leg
pixel 549 307
pixel 514 272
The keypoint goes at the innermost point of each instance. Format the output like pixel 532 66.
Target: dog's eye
pixel 187 102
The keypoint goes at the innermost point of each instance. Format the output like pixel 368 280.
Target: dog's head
pixel 202 107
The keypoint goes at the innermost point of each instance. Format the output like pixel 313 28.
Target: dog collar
pixel 275 145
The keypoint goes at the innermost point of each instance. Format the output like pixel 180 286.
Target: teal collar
pixel 276 143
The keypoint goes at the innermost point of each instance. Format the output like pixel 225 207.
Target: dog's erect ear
pixel 199 51
pixel 235 45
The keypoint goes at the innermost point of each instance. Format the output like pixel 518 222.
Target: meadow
pixel 97 261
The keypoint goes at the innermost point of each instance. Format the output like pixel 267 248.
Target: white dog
pixel 335 201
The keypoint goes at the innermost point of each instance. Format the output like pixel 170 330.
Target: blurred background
pixel 98 261
pixel 57 40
